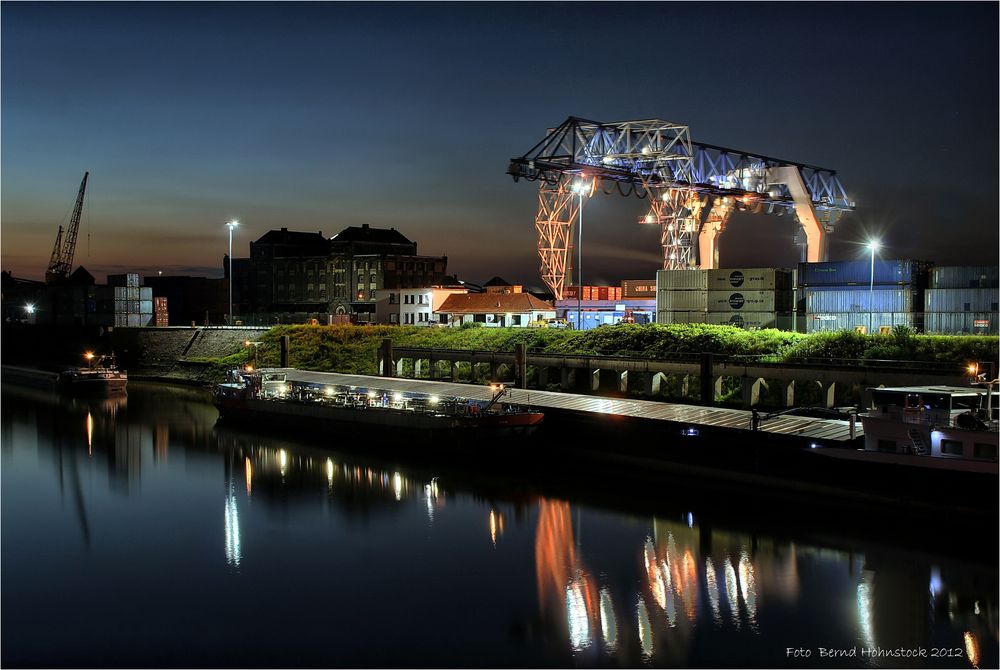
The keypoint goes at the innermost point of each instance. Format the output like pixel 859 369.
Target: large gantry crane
pixel 61 262
pixel 682 180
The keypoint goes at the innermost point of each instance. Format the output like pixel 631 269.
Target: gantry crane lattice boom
pixel 61 261
pixel 682 179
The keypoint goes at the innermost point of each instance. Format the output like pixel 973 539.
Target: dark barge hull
pixel 412 427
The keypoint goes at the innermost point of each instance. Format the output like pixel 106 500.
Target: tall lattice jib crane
pixel 61 262
pixel 692 189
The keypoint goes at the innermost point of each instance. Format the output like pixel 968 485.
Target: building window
pixel 886 445
pixel 980 450
pixel 479 318
pixel 394 318
pixel 515 320
pixel 951 447
pixel 392 298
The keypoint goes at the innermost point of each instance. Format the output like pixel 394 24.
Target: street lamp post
pixel 231 225
pixel 873 245
pixel 580 188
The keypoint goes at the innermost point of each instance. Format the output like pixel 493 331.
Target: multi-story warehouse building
pixel 305 275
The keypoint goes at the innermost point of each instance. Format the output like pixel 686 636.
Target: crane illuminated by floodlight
pixel 682 180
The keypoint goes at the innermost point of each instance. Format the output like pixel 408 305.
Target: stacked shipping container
pixel 161 317
pixel 594 292
pixel 962 299
pixel 745 297
pixel 842 295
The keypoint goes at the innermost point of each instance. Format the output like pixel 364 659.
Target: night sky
pixel 321 116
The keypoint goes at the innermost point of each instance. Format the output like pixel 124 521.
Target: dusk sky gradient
pixel 320 116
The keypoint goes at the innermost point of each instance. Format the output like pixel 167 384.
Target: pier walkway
pixel 830 430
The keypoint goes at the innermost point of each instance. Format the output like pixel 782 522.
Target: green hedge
pixel 353 349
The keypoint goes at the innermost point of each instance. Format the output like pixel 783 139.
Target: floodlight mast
pixel 682 179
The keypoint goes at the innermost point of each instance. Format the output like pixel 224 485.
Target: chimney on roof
pixel 321 233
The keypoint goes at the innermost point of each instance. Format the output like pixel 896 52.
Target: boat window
pixel 951 447
pixel 980 450
pixel 887 445
pixel 963 402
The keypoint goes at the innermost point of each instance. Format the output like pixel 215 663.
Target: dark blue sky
pixel 319 116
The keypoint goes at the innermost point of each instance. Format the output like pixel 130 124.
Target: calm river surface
pixel 137 533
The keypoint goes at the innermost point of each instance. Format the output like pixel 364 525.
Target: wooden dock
pixel 827 430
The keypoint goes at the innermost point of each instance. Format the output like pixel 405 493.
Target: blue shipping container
pixel 856 272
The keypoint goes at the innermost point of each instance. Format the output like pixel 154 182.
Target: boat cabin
pixel 942 421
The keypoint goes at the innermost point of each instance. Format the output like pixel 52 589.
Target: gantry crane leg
pixel 558 212
pixel 676 211
pixel 817 249
pixel 711 229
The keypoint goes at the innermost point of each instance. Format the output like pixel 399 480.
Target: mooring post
pixel 284 345
pixel 521 365
pixel 707 380
pixel 385 358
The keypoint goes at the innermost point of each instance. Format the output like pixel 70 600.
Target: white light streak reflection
pixel 669 605
pixel 330 468
pixel 232 531
pixel 576 617
pixel 282 461
pixel 748 585
pixel 609 627
pixel 397 485
pixel 712 585
pixel 732 592
pixel 645 630
pixel 866 591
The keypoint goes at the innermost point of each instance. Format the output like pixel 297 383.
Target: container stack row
pixel 749 298
pixel 962 300
pixel 856 295
pixel 593 292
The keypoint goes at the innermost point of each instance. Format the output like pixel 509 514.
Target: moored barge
pixel 256 397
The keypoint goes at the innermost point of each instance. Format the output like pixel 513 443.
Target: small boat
pixel 266 397
pixel 100 375
pixel 947 428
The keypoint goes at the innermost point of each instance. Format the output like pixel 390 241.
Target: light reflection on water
pixel 124 498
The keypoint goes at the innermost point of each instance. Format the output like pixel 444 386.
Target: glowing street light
pixel 874 245
pixel 231 226
pixel 29 308
pixel 581 188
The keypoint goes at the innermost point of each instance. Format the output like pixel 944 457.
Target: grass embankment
pixel 353 349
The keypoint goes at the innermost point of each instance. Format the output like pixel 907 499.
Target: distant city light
pixel 29 308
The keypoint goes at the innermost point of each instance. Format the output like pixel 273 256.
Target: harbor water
pixel 136 532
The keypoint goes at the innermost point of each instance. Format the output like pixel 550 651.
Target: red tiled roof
pixel 490 303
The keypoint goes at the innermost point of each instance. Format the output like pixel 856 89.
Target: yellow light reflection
pixel 493 527
pixel 248 470
pixel 329 472
pixel 972 649
pixel 282 460
pixel 90 434
pixel 609 627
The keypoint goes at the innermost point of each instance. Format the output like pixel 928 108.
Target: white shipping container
pixel 766 279
pixel 859 300
pixel 145 293
pixel 145 306
pixel 682 279
pixel 132 293
pixel 674 301
pixel 121 319
pixel 121 293
pixel 671 317
pixel 964 276
pixel 961 299
pixel 753 320
pixel 961 323
pixel 749 301
pixel 816 323
pixel 132 280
